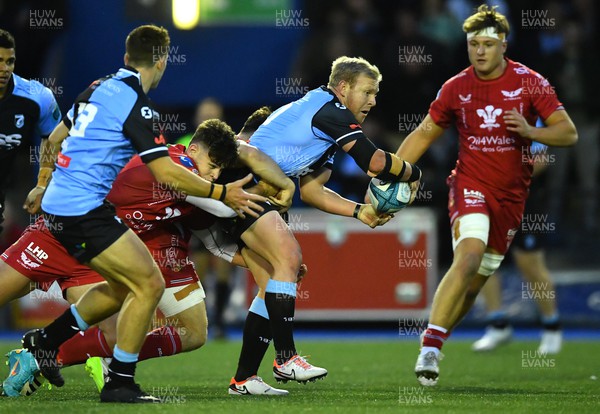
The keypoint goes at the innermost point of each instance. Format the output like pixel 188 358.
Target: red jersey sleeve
pixel 543 96
pixel 178 155
pixel 440 109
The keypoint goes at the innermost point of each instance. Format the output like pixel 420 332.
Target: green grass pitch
pixel 364 377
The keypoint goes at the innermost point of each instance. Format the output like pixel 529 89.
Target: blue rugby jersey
pixel 302 136
pixel 28 111
pixel 108 122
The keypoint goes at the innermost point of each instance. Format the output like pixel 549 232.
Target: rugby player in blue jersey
pixel 28 111
pixel 302 138
pixel 109 122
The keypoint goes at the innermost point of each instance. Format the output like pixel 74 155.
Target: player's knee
pixel 154 286
pixel 294 258
pixel 468 264
pixel 195 337
pixel 110 335
pixel 489 264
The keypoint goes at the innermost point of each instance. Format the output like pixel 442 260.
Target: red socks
pixel 163 341
pixel 83 345
pixel 434 338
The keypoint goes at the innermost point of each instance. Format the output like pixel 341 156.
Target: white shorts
pixel 180 298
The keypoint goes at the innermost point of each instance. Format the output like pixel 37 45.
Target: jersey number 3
pixel 85 114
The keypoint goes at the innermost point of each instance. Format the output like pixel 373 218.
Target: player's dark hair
pixel 145 45
pixel 256 119
pixel 7 41
pixel 348 69
pixel 219 140
pixel 486 16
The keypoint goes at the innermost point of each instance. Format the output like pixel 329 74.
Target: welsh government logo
pixel 489 115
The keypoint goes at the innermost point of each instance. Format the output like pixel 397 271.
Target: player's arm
pixel 380 164
pixel 49 148
pixel 419 140
pixel 559 130
pixel 232 194
pixel 139 129
pixel 339 123
pixel 314 192
pixel 269 172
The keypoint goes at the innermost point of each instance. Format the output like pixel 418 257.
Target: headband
pixel 487 32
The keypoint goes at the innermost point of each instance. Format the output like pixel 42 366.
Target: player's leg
pixel 98 340
pixel 470 233
pixel 36 259
pixel 270 237
pixel 119 256
pixel 498 331
pixel 13 285
pixel 532 266
pixel 257 334
pixel 184 327
pixel 224 271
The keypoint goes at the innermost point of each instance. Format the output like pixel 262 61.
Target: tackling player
pixel 494 104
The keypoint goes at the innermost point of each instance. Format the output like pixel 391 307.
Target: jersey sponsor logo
pixel 512 95
pixel 339 105
pixel 19 120
pixel 36 251
pixel 355 126
pixel 473 197
pixel 10 141
pixel 464 99
pixel 489 114
pixel 28 263
pixel 63 160
pixel 493 143
pixel 146 112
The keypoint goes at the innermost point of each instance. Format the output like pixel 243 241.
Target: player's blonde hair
pixel 486 16
pixel 348 68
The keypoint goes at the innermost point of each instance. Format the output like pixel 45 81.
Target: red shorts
pixel 467 196
pixel 169 249
pixel 41 258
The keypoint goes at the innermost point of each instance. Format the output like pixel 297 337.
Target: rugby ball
pixel 388 197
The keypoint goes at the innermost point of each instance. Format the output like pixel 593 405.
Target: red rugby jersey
pixel 489 153
pixel 143 203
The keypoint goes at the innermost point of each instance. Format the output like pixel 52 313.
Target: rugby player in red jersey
pixel 494 104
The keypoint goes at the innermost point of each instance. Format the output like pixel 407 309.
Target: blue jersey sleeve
pixel 139 128
pixel 49 112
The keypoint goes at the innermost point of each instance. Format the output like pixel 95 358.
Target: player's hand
pixel 33 202
pixel 371 217
pixel 241 201
pixel 283 199
pixel 414 189
pixel 301 273
pixel 515 122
